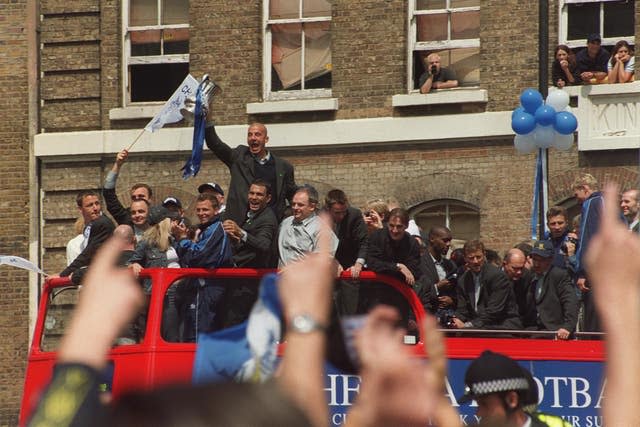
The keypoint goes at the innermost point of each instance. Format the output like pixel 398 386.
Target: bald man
pixel 630 206
pixel 250 162
pixel 522 281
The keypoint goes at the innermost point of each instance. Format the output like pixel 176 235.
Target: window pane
pixel 583 19
pixel 286 54
pixel 314 8
pixel 618 19
pixel 176 41
pixel 145 43
pixel 143 12
pixel 432 27
pixel 465 3
pixel 430 4
pixel 466 64
pixel 317 55
pixel 284 9
pixel 464 221
pixel 465 25
pixel 175 12
pixel 156 82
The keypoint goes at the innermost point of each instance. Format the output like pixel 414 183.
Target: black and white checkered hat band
pixel 495 386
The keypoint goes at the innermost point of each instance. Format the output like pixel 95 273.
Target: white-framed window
pixel 450 28
pixel 612 19
pixel 297 49
pixel 155 48
pixel 462 218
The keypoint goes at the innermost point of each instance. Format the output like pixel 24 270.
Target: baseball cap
pixel 158 213
pixel 542 248
pixel 594 37
pixel 211 185
pixel 172 200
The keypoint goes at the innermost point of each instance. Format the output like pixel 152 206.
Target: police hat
pixel 493 373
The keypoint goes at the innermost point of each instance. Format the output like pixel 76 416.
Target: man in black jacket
pixel 353 243
pixel 247 163
pixel 98 228
pixel 555 296
pixel 437 288
pixel 253 247
pixel 485 297
pixel 523 287
pixel 392 251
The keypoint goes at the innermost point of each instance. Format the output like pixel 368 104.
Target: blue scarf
pixel 192 167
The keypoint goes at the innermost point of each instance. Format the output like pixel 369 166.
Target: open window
pixel 450 28
pixel 297 49
pixel 612 19
pixel 156 48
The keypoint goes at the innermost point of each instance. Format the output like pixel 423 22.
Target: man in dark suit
pixel 485 297
pixel 253 247
pixel 98 228
pixel 247 163
pixel 437 288
pixel 523 287
pixel 353 243
pixel 555 296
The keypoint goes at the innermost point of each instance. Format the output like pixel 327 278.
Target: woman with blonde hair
pixel 155 250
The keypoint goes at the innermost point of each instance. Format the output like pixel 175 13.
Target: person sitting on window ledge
pixel 592 61
pixel 436 76
pixel 621 64
pixel 564 67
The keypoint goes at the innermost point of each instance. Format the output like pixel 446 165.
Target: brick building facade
pixel 369 132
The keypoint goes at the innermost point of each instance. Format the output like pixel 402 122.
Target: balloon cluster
pixel 539 124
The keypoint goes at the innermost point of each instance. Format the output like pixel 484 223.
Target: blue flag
pixel 245 352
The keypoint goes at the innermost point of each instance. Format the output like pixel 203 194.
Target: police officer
pixel 503 389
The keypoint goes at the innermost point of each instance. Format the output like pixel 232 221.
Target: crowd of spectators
pixel 269 222
pixel 593 64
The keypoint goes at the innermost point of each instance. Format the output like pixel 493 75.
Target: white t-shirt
pixel 628 67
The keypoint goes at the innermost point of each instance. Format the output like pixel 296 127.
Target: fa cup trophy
pixel 209 89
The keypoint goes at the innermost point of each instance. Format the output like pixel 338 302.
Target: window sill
pixel 135 112
pixel 442 96
pixel 289 106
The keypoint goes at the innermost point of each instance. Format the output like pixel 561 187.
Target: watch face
pixel 303 323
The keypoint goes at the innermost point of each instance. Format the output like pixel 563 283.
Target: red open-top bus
pixel 568 373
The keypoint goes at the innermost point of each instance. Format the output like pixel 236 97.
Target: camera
pixel 367 213
pixel 446 320
pixel 434 70
pixel 452 278
pixel 569 240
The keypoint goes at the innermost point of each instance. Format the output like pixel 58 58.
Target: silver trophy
pixel 209 89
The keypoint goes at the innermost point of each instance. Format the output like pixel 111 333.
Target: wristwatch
pixel 304 324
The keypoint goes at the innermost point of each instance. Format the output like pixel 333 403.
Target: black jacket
pixel 101 229
pixel 353 238
pixel 258 251
pixel 121 214
pixel 524 290
pixel 556 302
pixel 426 285
pixel 241 166
pixel 496 305
pixel 385 253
